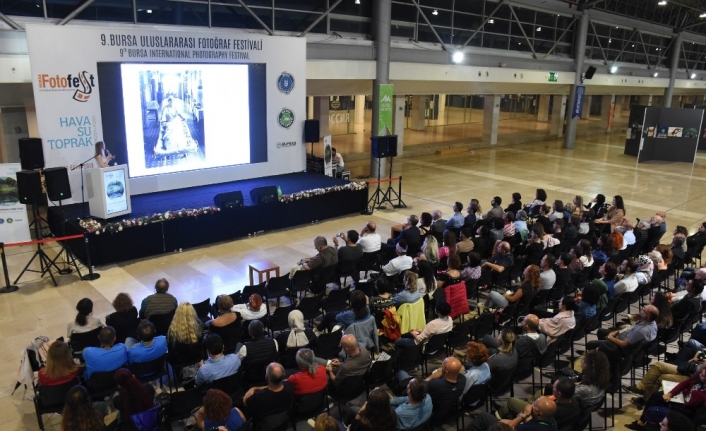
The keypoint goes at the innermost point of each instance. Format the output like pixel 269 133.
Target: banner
pixel 577 109
pixel 14 225
pixel 385 110
pixel 328 165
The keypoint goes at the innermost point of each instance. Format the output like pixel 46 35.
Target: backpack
pixel 391 324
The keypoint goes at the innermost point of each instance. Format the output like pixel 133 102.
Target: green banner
pixel 385 110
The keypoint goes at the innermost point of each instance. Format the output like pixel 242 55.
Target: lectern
pixel 108 192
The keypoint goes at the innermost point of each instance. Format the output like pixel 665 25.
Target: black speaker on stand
pixel 264 195
pixel 31 153
pixel 383 147
pixel 229 200
pixel 312 132
pixel 589 73
pixel 58 189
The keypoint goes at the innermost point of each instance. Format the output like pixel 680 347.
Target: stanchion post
pixel 399 191
pixel 8 288
pixel 91 275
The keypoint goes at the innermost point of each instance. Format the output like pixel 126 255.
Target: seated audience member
pixel 277 397
pixel 355 365
pixel 563 275
pixel 534 248
pixel 531 343
pixel 326 422
pixel 369 239
pixel 226 314
pixel 426 278
pixel 627 229
pixel 430 250
pixel 576 265
pixel 451 276
pixel 540 198
pixel 410 234
pixel 536 416
pixel 695 243
pixel 399 264
pixel 591 296
pixel 627 279
pixel 449 246
pixel 78 412
pixel 559 231
pixel 521 224
pixel 60 367
pixel 675 421
pixel 543 219
pixel 572 229
pixel 376 414
pixel 509 225
pixel 255 308
pixel 84 321
pixel 547 277
pixel 604 250
pixel 644 270
pixel 218 412
pixel 501 261
pixel 311 377
pixel 218 365
pixel 425 222
pixel 349 254
pixel 159 302
pixel 133 396
pixel 185 331
pixel 108 357
pixel 410 293
pixel 298 335
pixel 496 231
pixel 554 327
pixel 664 309
pixel 685 364
pixel 515 205
pixel 466 243
pixel 384 299
pixel 457 220
pixel 151 346
pixel 598 206
pixel 578 204
pixel 446 385
pixel 690 304
pixel 481 242
pixel 441 325
pixel 415 408
pixel 496 210
pixel 438 223
pixel 608 271
pixel 259 348
pixel 586 256
pixel 326 256
pixel 185 317
pixel 586 220
pixel 595 378
pixel 614 216
pixel 472 271
pixel 125 319
pixel 557 210
pixel 523 295
pixel 506 358
pixel 567 409
pixel 358 312
pixel 477 368
pixel 614 343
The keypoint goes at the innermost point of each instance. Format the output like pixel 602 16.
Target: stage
pixel 305 198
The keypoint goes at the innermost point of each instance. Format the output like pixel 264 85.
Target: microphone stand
pixel 83 197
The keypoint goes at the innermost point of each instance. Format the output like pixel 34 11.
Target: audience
pixel 159 302
pixel 84 321
pixel 218 411
pixel 260 348
pixel 358 312
pixel 438 224
pixel 477 369
pixel 354 366
pixel 108 357
pixel 60 367
pixel 430 250
pixel 311 378
pixel 415 408
pixel 567 409
pixel 150 347
pixel 376 414
pixel 595 378
pixel 536 416
pixel 218 365
pixel 457 220
pixel 124 320
pixel 523 295
pixel 555 327
pixel 326 256
pixel 385 298
pixel 78 413
pixel 441 325
pixel 506 359
pixel 277 397
pixel 410 293
pixel 369 239
pixel 445 385
pixel 400 263
pixel 133 396
pixel 297 335
pixel 449 246
pixel 255 308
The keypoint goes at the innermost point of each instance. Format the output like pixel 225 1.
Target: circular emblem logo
pixel 2 221
pixel 285 118
pixel 285 83
pixel 9 220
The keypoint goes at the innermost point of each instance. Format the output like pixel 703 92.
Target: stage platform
pixel 315 197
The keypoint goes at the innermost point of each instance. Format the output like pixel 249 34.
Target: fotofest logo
pixel 286 144
pixel 285 118
pixel 81 84
pixel 285 83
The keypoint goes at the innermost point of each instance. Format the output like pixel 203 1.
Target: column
pixel 619 103
pixel 676 101
pixel 441 116
pixel 543 107
pixel 556 127
pixel 607 112
pixel 382 12
pixel 359 109
pixel 626 103
pixel 398 123
pixel 586 112
pixel 320 112
pixel 673 65
pixel 491 117
pixel 580 32
pixel 417 120
pixel 310 108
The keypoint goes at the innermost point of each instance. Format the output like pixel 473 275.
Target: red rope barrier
pixel 42 241
pixel 384 180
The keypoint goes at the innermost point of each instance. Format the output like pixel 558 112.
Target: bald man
pixel 355 365
pixel 369 239
pixel 536 416
pixel 446 384
pixel 276 397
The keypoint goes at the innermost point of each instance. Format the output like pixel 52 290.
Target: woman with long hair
pixel 430 250
pixel 449 247
pixel 60 367
pixel 557 210
pixel 604 250
pixel 425 221
pixel 78 413
pixel 578 203
pixel 529 287
pixel 504 356
pixel 133 395
pixel 597 204
pixel 665 319
pixel 102 156
pixel 426 280
pixel 358 312
pixel 218 411
pixel 540 198
pixel 615 215
pixel 376 414
pixel 452 275
pixel 410 294
pixel 586 256
pixel 84 321
pixel 595 378
pixel 534 249
pixel 124 320
pixel 185 328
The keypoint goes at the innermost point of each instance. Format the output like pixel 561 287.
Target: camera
pixel 701 356
pixel 338 235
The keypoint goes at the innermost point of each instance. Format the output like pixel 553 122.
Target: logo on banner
pixel 9 220
pixel 577 109
pixel 81 84
pixel 285 118
pixel 2 220
pixel 286 144
pixel 285 83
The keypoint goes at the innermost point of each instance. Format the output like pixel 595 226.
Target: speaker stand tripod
pixel 45 263
pixel 69 259
pixel 83 196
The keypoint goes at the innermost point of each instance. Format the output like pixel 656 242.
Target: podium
pixel 108 192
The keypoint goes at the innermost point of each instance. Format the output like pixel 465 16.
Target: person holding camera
pixel 350 254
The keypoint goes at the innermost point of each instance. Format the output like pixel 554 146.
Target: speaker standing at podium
pixel 103 156
pixel 337 162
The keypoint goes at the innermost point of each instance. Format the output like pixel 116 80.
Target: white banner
pixel 172 89
pixel 14 226
pixel 328 165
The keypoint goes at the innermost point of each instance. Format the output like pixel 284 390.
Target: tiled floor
pixel 597 165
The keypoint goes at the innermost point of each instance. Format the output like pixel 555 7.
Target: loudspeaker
pixel 263 195
pixel 589 72
pixel 384 146
pixel 31 153
pixel 311 131
pixel 229 200
pixel 391 145
pixel 29 187
pixel 58 187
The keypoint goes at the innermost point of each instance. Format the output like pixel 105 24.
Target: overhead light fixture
pixel 613 69
pixel 491 21
pixel 703 15
pixel 357 1
pixel 616 26
pixel 149 10
pixel 656 49
pixel 693 76
pixel 655 75
pixel 610 40
pixel 662 3
pixel 436 12
pixel 457 57
pixel 539 28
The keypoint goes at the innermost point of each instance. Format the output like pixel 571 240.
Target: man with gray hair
pixel 438 224
pixel 275 398
pixel 326 257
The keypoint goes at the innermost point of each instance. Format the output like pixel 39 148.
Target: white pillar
pixel 586 114
pixel 360 108
pixel 320 112
pixel 606 112
pixel 543 107
pixel 556 126
pixel 441 117
pixel 491 117
pixel 417 116
pixel 310 108
pixel 398 122
pixel 619 103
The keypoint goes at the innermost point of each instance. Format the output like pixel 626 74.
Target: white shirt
pixel 249 314
pixel 628 239
pixel 370 242
pixel 627 284
pixel 340 160
pixel 397 265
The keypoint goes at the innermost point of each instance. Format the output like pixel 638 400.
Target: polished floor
pixel 596 165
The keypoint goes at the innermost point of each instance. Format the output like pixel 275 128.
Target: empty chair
pixel 203 309
pixel 277 287
pixel 162 321
pixel 81 340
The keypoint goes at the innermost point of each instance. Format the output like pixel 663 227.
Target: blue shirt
pixel 610 284
pixel 405 297
pixel 585 311
pixel 233 422
pixel 214 369
pixel 142 353
pixel 476 376
pixel 456 221
pixel 411 416
pixel 347 317
pixel 100 359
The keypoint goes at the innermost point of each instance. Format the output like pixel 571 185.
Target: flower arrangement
pixel 93 226
pixel 305 194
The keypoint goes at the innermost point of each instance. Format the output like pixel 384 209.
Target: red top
pixel 693 389
pixel 46 381
pixel 306 383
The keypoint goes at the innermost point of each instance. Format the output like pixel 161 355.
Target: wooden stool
pixel 262 267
